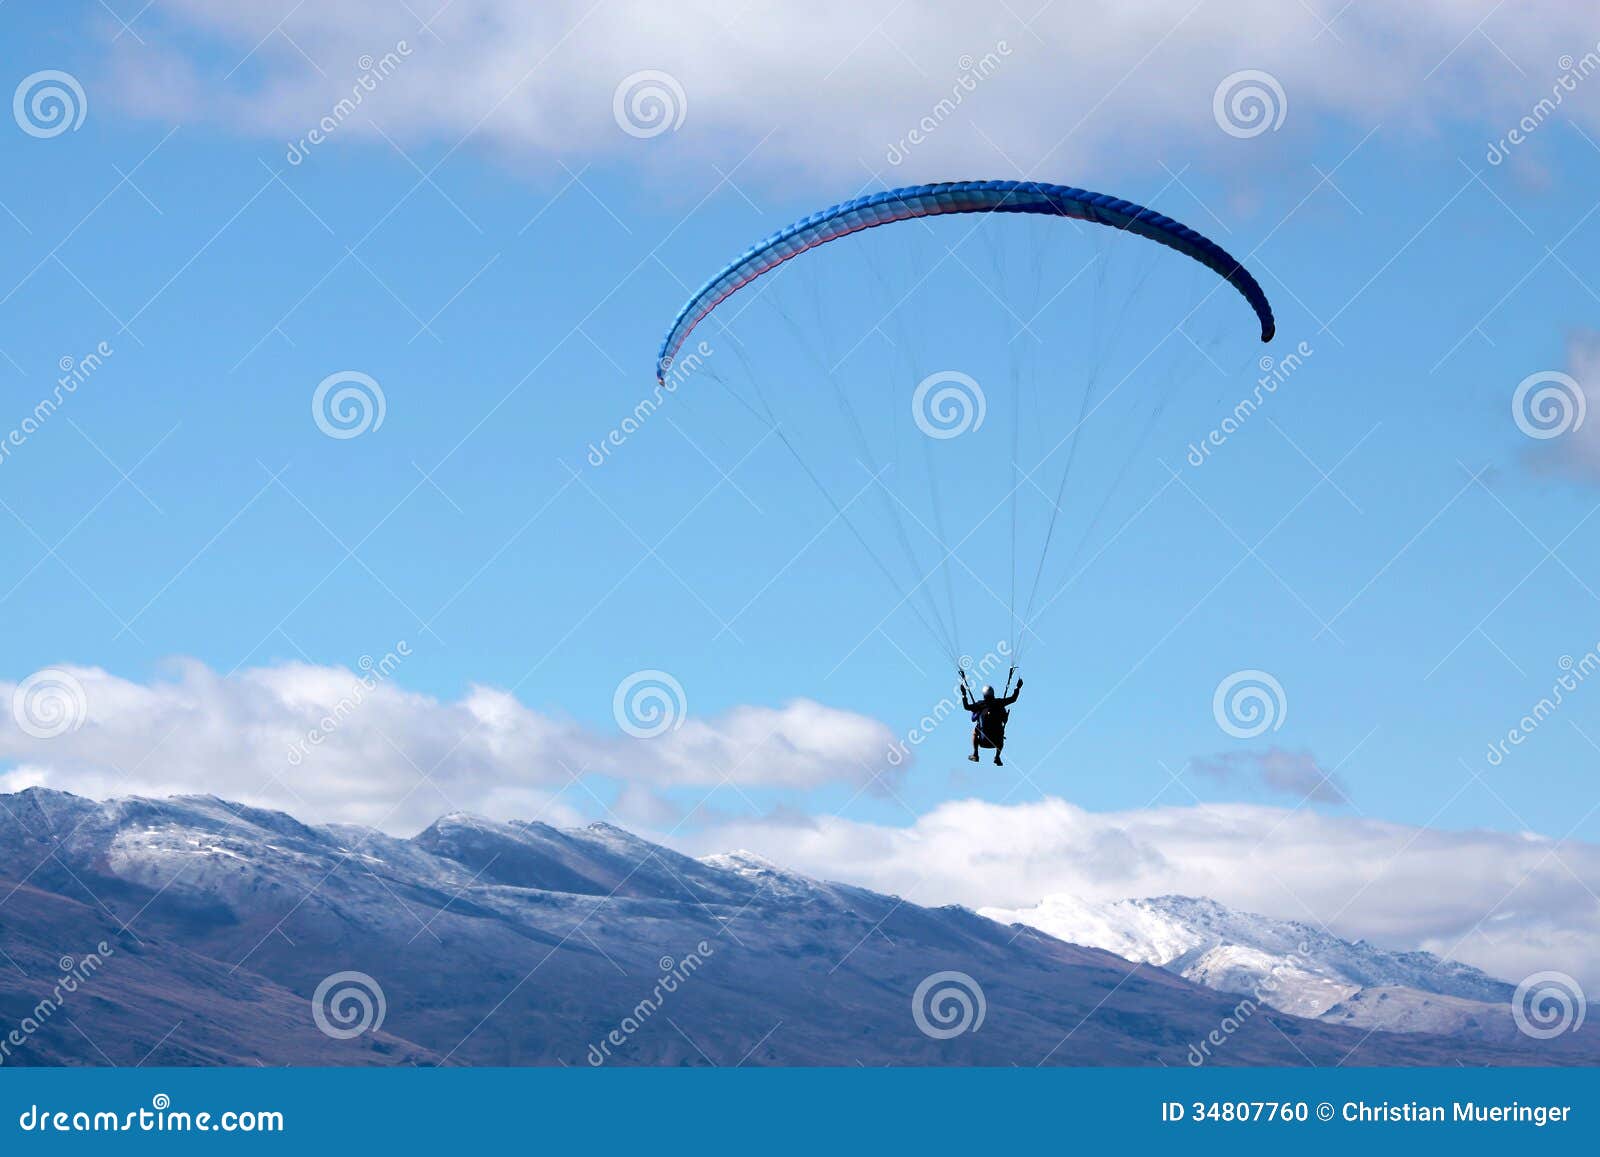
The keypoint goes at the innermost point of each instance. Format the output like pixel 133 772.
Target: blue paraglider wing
pixel 958 197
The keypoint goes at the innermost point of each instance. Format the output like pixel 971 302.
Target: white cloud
pixel 389 757
pixel 1510 903
pixel 831 86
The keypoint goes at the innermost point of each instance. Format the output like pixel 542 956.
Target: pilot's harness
pixel 977 716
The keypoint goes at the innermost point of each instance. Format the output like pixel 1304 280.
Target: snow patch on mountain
pixel 1290 965
pixel 1406 1010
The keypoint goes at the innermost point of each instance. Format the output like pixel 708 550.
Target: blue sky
pixel 1381 537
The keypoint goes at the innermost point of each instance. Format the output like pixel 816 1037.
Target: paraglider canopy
pixel 1078 434
pixel 958 197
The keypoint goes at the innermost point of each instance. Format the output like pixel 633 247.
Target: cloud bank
pixel 327 743
pixel 1511 904
pixel 847 87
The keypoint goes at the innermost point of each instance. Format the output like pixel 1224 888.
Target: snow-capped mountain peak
pixel 1290 965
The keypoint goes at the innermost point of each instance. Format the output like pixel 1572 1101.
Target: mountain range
pixel 1294 966
pixel 225 934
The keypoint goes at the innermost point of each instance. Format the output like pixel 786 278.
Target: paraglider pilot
pixel 989 715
